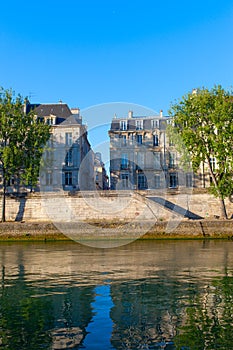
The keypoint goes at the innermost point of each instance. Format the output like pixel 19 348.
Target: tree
pixel 22 138
pixel 203 120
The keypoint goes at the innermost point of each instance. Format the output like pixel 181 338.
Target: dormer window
pixel 123 124
pixel 139 124
pixel 154 124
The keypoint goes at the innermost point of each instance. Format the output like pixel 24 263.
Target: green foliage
pixel 208 319
pixel 203 120
pixel 22 138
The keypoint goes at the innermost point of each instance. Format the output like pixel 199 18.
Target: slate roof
pixel 131 122
pixel 31 106
pixel 60 110
pixel 72 120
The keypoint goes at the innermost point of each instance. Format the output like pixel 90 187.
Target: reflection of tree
pixel 171 314
pixel 208 322
pixel 30 319
pixel 24 321
pixel 146 312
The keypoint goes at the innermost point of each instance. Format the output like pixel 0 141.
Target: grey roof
pixel 31 107
pixel 131 123
pixel 72 120
pixel 60 110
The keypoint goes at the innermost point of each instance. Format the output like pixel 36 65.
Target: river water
pixel 144 295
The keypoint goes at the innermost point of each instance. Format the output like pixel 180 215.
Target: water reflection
pixel 100 329
pixel 147 295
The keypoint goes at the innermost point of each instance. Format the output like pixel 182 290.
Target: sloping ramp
pixel 174 208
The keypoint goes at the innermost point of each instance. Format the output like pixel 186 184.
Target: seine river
pixel 144 295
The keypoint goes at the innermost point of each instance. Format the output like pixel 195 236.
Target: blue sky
pixel 92 52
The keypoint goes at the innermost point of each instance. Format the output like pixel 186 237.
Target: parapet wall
pixel 110 205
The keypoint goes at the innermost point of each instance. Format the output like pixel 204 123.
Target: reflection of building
pixel 69 159
pixel 141 155
pixel 143 313
pixel 101 177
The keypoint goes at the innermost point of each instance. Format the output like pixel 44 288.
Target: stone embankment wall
pixel 113 206
pixel 184 229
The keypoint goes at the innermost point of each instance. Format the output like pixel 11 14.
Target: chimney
pixel 130 114
pixel 75 111
pixel 25 105
pixel 161 113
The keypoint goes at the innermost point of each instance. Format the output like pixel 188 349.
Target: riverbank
pixel 185 229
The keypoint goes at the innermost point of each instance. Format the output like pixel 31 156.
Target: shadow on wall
pixel 22 205
pixel 175 208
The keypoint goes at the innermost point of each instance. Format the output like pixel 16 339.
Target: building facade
pixel 101 177
pixel 141 155
pixel 68 161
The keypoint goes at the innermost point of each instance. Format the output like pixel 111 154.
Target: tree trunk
pixel 221 199
pixel 223 208
pixel 4 201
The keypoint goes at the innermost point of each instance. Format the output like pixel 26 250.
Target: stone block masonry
pixel 112 206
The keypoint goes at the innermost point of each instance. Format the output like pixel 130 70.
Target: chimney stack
pixel 130 114
pixel 25 105
pixel 75 111
pixel 161 113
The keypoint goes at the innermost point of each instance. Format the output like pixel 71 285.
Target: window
pixel 68 138
pixel 157 160
pixel 49 121
pixel 213 163
pixel 49 179
pixel 69 158
pixel 139 124
pixel 131 138
pixel 124 140
pixel 142 182
pixel 189 180
pixel 139 139
pixel 171 143
pixel 140 159
pixel 155 140
pixel 68 178
pixel 123 124
pixel 157 181
pixel 173 180
pixel 11 182
pixel 172 160
pixel 125 180
pixel 154 124
pixel 124 161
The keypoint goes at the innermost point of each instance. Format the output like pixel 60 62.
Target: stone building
pixel 68 159
pixel 141 155
pixel 101 177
